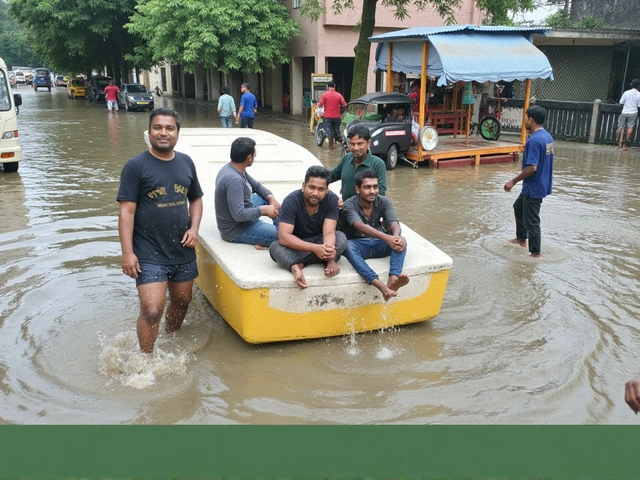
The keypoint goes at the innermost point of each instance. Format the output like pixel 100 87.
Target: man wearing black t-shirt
pixel 307 232
pixel 160 212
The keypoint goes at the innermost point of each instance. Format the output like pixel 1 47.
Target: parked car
pixel 42 79
pixel 388 117
pixel 76 88
pixel 60 81
pixel 20 78
pixel 95 88
pixel 135 96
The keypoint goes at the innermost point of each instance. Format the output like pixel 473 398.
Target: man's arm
pixel 190 237
pixel 130 265
pixel 525 173
pixel 381 171
pixel 235 201
pixel 288 239
pixel 336 173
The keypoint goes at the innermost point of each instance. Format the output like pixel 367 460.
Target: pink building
pixel 327 46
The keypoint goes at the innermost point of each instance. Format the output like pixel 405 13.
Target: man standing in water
pixel 307 231
pixel 111 96
pixel 627 120
pixel 537 173
pixel 248 107
pixel 332 102
pixel 160 213
pixel 366 214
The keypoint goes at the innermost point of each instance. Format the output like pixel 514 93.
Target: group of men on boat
pixel 313 224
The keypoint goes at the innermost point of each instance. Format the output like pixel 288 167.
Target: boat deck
pixel 463 151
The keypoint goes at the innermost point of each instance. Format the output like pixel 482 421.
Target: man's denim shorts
pixel 152 273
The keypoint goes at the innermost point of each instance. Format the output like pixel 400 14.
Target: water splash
pixel 122 360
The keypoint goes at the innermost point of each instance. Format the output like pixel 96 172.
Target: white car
pixel 20 78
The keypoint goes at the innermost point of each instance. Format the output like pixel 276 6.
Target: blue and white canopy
pixel 466 53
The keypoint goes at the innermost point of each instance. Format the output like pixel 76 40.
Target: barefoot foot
pixel 517 241
pixel 386 292
pixel 534 255
pixel 332 269
pixel 298 276
pixel 395 283
pixel 261 247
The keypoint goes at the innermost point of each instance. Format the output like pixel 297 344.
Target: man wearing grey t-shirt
pixel 240 200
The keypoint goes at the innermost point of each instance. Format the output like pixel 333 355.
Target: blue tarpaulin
pixel 466 53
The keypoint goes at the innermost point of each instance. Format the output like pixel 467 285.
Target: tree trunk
pixel 363 49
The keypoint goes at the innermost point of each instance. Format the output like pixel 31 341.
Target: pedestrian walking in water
pixel 111 96
pixel 536 174
pixel 226 108
pixel 248 107
pixel 160 212
pixel 629 116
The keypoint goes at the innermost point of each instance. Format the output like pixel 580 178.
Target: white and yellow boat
pixel 258 298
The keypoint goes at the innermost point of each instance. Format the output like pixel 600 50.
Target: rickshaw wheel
pixel 490 128
pixel 319 134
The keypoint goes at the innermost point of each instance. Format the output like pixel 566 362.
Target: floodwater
pixel 518 341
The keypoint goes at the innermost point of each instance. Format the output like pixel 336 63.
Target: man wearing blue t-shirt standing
pixel 248 107
pixel 537 173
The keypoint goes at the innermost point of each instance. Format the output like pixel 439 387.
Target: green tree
pixel 14 47
pixel 244 35
pixel 79 35
pixel 496 12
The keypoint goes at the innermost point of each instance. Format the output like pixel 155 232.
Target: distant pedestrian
pixel 160 213
pixel 226 108
pixel 248 107
pixel 332 101
pixel 537 174
pixel 629 116
pixel 111 96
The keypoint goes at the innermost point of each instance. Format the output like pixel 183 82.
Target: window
pixel 5 100
pixel 297 3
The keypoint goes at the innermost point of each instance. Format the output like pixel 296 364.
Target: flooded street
pixel 518 341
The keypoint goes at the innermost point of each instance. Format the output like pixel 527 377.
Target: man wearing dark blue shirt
pixel 537 175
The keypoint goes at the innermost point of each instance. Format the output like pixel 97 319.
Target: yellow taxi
pixel 76 87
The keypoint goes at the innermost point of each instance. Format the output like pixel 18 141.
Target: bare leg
pixel 180 296
pixel 152 300
pixel 517 241
pixel 400 281
pixel 386 292
pixel 626 139
pixel 619 137
pixel 332 269
pixel 298 276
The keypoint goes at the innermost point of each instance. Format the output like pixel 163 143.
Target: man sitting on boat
pixel 367 214
pixel 241 200
pixel 307 230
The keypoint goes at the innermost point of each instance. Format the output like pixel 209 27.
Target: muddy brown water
pixel 517 341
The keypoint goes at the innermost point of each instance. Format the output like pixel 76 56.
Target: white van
pixel 10 151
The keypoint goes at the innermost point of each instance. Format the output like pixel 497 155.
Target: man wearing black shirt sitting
pixel 307 232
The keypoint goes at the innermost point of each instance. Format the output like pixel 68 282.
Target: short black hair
pixel 241 148
pixel 246 85
pixel 359 131
pixel 331 84
pixel 317 171
pixel 360 176
pixel 635 83
pixel 537 113
pixel 165 112
pixel 224 90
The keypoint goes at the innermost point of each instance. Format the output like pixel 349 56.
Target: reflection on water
pixel 517 341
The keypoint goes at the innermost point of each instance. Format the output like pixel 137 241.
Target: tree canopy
pixel 78 35
pixel 496 12
pixel 14 46
pixel 245 35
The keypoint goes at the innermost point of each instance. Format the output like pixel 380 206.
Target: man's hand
pixel 632 394
pixel 340 203
pixel 272 201
pixel 509 185
pixel 190 238
pixel 130 265
pixel 325 251
pixel 396 242
pixel 269 210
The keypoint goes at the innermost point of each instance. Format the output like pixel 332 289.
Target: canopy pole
pixel 389 69
pixel 423 92
pixel 527 97
pixel 468 118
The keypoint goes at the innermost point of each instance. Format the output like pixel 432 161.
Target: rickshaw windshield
pixel 362 111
